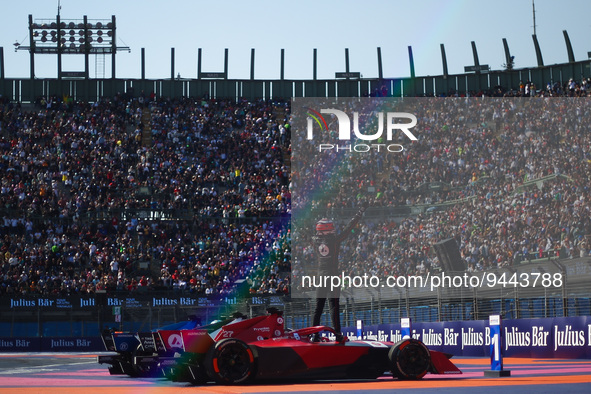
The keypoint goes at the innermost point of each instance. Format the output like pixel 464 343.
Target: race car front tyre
pixel 231 361
pixel 409 359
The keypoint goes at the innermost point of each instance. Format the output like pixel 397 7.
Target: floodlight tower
pixel 72 37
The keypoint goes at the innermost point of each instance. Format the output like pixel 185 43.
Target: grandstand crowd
pixel 78 178
pixel 512 185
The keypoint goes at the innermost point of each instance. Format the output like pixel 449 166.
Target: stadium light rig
pixel 94 36
pixel 76 36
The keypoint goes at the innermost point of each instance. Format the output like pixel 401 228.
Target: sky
pixel 299 27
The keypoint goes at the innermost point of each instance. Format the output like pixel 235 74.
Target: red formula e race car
pixel 302 355
pixel 241 350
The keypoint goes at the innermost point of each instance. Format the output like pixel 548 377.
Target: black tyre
pixel 231 361
pixel 409 359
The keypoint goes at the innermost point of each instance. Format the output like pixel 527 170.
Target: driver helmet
pixel 325 226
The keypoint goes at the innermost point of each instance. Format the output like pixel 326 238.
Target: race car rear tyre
pixel 231 361
pixel 409 359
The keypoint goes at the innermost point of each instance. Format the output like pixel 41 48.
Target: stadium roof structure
pixel 82 37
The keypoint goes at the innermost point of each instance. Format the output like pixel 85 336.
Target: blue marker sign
pixel 359 329
pixel 405 327
pixel 496 356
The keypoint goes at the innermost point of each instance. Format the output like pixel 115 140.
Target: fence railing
pixel 27 90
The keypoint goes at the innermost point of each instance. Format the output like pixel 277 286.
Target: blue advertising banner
pixel 91 344
pixel 561 337
pixel 17 345
pixel 128 301
pixel 47 344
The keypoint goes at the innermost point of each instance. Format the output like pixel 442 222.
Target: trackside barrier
pixel 564 337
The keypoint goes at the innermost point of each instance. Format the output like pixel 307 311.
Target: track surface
pixel 80 374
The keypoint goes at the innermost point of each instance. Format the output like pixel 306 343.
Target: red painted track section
pixel 64 374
